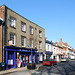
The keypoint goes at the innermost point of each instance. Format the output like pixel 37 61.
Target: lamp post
pixel 31 54
pixel 1 22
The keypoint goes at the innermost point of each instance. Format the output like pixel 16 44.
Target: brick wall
pixel 1 11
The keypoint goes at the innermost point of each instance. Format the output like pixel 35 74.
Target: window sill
pixel 40 37
pixel 40 49
pixel 13 27
pixel 23 31
pixel 23 47
pixel 31 34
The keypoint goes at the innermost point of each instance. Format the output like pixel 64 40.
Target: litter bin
pixel 2 66
pixel 31 65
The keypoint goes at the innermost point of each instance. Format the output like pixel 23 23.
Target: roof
pixel 22 16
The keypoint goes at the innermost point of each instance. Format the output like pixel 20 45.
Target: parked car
pixel 49 62
pixel 72 57
pixel 67 59
pixel 63 60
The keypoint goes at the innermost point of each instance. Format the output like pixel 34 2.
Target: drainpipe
pixel 1 38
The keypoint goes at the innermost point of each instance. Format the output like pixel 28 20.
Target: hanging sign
pixel 17 54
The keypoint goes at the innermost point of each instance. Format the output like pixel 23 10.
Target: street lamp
pixel 31 54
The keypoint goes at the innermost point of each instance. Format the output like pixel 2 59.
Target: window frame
pixel 14 24
pixel 24 30
pixel 40 34
pixel 40 43
pixel 23 38
pixel 14 38
pixel 31 30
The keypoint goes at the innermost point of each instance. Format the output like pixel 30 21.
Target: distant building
pixel 57 51
pixel 67 51
pixel 48 49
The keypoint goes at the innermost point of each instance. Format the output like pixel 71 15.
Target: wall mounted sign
pixel 10 62
pixel 10 42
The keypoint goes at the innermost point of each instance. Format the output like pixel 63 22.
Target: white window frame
pixel 40 44
pixel 48 47
pixel 13 36
pixel 60 51
pixel 12 22
pixel 24 26
pixel 40 34
pixel 31 30
pixel 54 50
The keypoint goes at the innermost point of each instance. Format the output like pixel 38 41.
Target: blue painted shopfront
pixel 24 53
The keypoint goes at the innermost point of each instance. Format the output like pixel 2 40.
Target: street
pixel 63 68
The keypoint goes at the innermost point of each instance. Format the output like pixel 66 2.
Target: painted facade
pixel 48 49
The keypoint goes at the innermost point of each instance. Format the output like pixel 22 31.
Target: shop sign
pixel 10 62
pixel 23 50
pixel 10 42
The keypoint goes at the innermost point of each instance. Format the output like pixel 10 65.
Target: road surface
pixel 63 68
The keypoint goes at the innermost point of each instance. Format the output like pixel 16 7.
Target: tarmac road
pixel 63 68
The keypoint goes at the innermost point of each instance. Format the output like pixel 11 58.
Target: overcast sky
pixel 57 17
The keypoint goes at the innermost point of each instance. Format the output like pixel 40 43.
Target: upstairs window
pixel 40 33
pixel 60 51
pixel 54 50
pixel 40 44
pixel 23 26
pixel 31 30
pixel 12 22
pixel 31 43
pixel 23 41
pixel 48 47
pixel 12 38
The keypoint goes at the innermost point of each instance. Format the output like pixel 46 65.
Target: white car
pixel 63 59
pixel 72 57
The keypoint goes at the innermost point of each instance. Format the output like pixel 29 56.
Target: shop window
pixel 23 26
pixel 31 43
pixel 23 41
pixel 40 44
pixel 31 30
pixel 12 38
pixel 12 22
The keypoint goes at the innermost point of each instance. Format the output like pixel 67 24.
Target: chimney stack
pixel 60 40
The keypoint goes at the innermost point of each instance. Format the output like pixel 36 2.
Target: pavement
pixel 17 69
